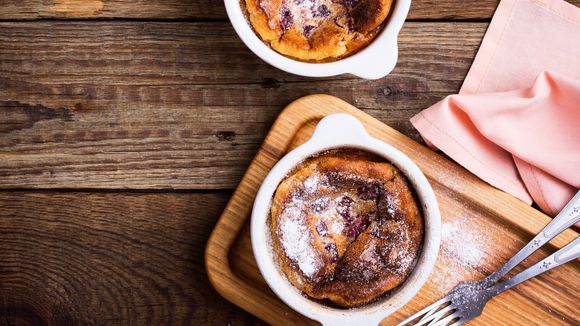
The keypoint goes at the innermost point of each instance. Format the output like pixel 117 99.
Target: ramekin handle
pixel 339 128
pixel 378 63
pixel 381 57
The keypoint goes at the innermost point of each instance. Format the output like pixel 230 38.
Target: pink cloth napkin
pixel 513 124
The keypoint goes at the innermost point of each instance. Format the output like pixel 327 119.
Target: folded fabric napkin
pixel 513 124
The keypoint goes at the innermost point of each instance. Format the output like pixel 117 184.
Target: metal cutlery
pixel 467 300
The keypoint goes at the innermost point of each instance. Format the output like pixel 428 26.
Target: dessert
pixel 345 227
pixel 317 30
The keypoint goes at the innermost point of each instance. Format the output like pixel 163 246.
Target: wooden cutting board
pixel 482 227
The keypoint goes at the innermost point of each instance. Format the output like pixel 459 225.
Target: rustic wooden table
pixel 124 127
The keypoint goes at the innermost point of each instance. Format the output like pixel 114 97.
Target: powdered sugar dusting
pixel 311 183
pixel 269 9
pixel 295 239
pixel 463 242
pixel 304 15
pixel 322 208
pixel 337 226
pixel 313 12
pixel 369 255
pixel 463 250
pixel 393 204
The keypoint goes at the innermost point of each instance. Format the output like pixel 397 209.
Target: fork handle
pixel 570 252
pixel 569 216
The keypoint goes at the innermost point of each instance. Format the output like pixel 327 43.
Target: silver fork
pixel 467 300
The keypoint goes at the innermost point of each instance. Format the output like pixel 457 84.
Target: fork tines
pixel 439 313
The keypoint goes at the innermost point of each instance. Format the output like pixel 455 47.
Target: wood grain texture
pixel 172 105
pixel 210 9
pixel 109 258
pixel 87 101
pixel 482 228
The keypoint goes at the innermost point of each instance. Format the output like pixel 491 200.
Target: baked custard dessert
pixel 317 30
pixel 346 227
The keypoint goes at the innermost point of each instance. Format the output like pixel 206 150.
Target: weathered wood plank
pixel 109 258
pixel 176 54
pixel 209 9
pixel 172 105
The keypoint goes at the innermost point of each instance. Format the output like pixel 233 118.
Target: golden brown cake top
pixel 345 227
pixel 317 29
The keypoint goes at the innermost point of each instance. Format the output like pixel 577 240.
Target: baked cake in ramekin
pixel 346 227
pixel 317 30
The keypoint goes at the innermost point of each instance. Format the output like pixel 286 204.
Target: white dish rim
pixel 344 131
pixel 375 61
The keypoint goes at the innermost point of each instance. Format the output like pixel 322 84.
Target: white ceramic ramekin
pixel 375 61
pixel 344 131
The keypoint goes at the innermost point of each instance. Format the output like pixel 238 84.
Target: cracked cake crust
pixel 345 227
pixel 317 30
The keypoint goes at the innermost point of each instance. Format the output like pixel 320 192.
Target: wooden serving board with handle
pixel 482 227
